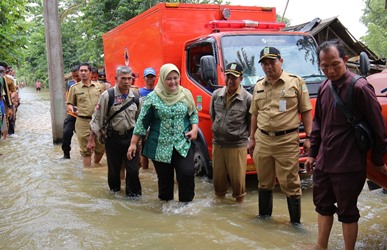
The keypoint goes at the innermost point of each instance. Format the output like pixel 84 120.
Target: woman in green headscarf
pixel 170 114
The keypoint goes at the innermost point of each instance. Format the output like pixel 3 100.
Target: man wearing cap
pixel 230 117
pixel 150 79
pixel 102 78
pixel 278 99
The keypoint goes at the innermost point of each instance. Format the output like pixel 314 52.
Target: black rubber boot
pixel 294 207
pixel 265 203
pixel 66 155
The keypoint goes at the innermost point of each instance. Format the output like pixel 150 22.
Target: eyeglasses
pixel 150 76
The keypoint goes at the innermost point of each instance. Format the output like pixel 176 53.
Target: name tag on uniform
pixel 282 105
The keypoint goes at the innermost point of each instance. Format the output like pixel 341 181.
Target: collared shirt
pixel 123 121
pixel 231 97
pixel 333 139
pixel 291 90
pixel 84 97
pixel 167 127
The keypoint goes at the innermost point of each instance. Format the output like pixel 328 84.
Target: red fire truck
pixel 201 39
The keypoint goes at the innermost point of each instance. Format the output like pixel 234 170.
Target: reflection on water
pixel 47 203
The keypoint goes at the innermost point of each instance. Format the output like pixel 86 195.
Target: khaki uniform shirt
pixel 277 107
pixel 125 120
pixel 84 97
pixel 10 83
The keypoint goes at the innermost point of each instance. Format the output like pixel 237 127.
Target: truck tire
pixel 201 164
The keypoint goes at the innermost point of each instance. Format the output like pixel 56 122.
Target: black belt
pixel 277 133
pixel 84 117
pixel 126 132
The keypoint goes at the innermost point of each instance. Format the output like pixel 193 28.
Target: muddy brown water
pixel 47 203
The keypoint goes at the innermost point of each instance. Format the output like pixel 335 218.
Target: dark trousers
pixel 68 132
pixel 116 149
pixel 11 126
pixel 185 177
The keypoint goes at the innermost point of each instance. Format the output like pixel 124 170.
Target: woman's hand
pixel 132 151
pixel 193 133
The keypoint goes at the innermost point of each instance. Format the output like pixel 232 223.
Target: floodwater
pixel 47 203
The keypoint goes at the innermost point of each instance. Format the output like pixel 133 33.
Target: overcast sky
pixel 301 11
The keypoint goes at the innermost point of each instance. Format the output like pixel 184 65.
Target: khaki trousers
pixel 277 156
pixel 82 129
pixel 229 169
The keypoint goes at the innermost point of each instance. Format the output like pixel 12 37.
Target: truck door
pixel 201 91
pixel 194 52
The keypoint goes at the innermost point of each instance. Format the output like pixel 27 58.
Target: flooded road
pixel 47 203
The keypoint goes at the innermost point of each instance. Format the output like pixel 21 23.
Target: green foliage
pixel 375 19
pixel 35 59
pixel 12 31
pixel 83 22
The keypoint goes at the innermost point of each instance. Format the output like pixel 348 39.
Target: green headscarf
pixel 181 94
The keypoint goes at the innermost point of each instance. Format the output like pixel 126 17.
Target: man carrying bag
pixel 119 128
pixel 337 162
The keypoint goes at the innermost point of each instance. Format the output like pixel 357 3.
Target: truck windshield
pixel 298 51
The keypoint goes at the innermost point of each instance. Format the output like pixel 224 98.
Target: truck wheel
pixel 200 163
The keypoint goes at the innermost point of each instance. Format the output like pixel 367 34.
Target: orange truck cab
pixel 200 39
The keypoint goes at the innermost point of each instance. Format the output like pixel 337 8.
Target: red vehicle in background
pixel 379 82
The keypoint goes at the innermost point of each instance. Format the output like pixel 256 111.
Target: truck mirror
pixel 364 63
pixel 208 70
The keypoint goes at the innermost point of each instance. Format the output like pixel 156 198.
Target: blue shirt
pixel 145 92
pixel 167 127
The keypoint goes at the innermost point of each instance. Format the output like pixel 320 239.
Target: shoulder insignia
pixel 293 75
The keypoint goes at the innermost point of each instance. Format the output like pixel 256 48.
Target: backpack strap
pixel 351 90
pixel 346 108
pixel 111 99
pixel 136 98
pixel 110 104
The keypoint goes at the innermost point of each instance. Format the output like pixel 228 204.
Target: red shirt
pixel 333 139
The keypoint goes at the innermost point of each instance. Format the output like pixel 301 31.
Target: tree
pixel 83 22
pixel 12 30
pixel 375 19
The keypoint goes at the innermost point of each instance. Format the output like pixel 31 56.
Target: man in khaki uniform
pixel 82 100
pixel 278 99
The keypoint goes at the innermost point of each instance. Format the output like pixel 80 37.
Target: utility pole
pixel 55 68
pixel 283 14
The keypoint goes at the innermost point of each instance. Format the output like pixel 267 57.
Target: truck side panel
pixel 157 36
